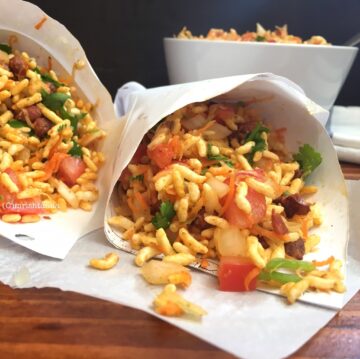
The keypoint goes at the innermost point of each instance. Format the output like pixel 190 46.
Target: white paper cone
pixel 56 236
pixel 285 106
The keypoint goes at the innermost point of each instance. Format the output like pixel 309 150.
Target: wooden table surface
pixel 48 323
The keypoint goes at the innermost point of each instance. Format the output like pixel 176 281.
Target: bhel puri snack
pixel 279 35
pixel 213 182
pixel 48 141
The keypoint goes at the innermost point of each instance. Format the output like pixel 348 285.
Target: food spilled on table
pixel 279 35
pixel 48 141
pixel 213 182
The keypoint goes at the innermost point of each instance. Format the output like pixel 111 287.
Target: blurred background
pixel 123 38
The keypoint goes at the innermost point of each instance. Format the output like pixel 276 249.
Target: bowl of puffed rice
pixel 318 67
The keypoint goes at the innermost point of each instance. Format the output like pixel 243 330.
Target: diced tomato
pixel 232 273
pixel 52 166
pixel 237 217
pixel 162 154
pixel 248 36
pixel 70 169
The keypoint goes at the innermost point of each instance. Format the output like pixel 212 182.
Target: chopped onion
pixel 260 30
pixel 158 272
pixel 217 132
pixel 219 187
pixel 230 242
pixel 194 122
pixel 21 278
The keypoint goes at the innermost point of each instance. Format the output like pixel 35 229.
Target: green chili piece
pixel 293 264
pixel 279 277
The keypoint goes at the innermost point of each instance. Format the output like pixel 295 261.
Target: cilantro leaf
pixel 137 178
pixel 165 215
pixel 204 170
pixel 17 124
pixel 260 38
pixel 75 150
pixel 61 127
pixel 54 101
pixel 6 48
pixel 47 78
pixel 219 158
pixel 256 136
pixel 308 159
pixel 74 119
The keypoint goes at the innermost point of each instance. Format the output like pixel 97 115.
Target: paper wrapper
pixel 55 237
pixel 285 105
pixel 249 325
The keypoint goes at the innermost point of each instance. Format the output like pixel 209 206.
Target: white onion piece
pixel 158 272
pixel 230 242
pixel 219 187
pixel 195 122
pixel 21 278
pixel 217 132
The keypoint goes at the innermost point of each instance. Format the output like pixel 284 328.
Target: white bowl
pixel 319 69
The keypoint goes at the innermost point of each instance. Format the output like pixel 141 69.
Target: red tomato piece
pixel 162 155
pixel 248 36
pixel 232 273
pixel 70 169
pixel 237 217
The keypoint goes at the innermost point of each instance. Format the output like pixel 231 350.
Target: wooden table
pixel 49 323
